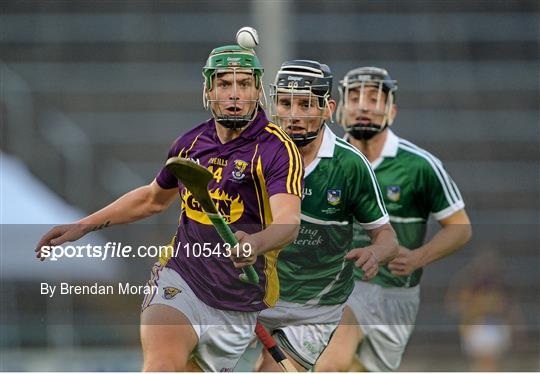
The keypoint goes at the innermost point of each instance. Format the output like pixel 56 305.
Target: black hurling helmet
pixel 302 78
pixel 359 79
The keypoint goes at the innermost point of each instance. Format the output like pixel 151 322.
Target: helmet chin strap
pixel 364 132
pixel 303 140
pixel 236 122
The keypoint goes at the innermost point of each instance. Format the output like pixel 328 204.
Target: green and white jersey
pixel 339 187
pixel 414 185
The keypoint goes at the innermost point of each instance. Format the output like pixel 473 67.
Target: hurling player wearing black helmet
pixel 414 185
pixel 316 270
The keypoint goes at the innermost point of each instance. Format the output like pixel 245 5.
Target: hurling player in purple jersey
pixel 202 317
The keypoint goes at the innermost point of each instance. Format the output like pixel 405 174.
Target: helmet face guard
pixel 309 83
pixel 222 96
pixel 368 90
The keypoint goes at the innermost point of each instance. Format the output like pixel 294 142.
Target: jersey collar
pixel 328 144
pixel 256 126
pixel 326 150
pixel 252 130
pixel 390 149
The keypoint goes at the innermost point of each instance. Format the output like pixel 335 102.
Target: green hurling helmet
pixel 232 59
pixel 228 58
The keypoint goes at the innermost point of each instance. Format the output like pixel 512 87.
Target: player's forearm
pixel 285 224
pixel 277 235
pixel 132 206
pixel 384 244
pixel 448 240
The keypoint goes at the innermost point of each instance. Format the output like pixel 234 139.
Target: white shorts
pixel 386 316
pixel 223 335
pixel 301 330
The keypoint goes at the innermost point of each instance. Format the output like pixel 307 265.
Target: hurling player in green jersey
pixel 316 270
pixel 380 314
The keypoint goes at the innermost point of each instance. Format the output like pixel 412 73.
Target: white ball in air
pixel 247 37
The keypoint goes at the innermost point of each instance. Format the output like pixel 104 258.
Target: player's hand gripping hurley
pixel 196 178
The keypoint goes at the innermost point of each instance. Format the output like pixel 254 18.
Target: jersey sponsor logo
pixel 333 197
pixel 231 208
pixel 170 292
pixel 393 193
pixel 306 192
pixel 239 169
pixel 218 161
pixel 330 210
pixel 309 235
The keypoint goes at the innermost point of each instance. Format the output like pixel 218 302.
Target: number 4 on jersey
pixel 216 172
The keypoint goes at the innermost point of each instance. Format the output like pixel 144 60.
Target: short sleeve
pixel 164 178
pixel 368 207
pixel 440 194
pixel 284 172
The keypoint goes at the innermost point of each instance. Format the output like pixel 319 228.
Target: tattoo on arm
pixel 102 226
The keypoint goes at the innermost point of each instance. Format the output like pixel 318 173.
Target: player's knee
pixel 332 366
pixel 163 365
pixel 266 363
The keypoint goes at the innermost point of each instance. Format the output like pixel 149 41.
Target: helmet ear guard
pixel 303 78
pixel 359 79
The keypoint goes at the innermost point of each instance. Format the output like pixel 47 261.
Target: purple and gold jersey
pixel 261 162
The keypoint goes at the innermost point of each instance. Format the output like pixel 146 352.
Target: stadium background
pixel 94 92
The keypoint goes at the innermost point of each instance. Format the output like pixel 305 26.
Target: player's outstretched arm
pixel 137 204
pixel 134 205
pixel 455 232
pixel 383 249
pixel 283 230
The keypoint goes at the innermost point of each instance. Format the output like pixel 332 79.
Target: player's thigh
pixel 302 331
pixel 340 353
pixel 167 338
pixel 251 357
pixel 389 328
pixel 268 364
pixel 305 343
pixel 356 366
